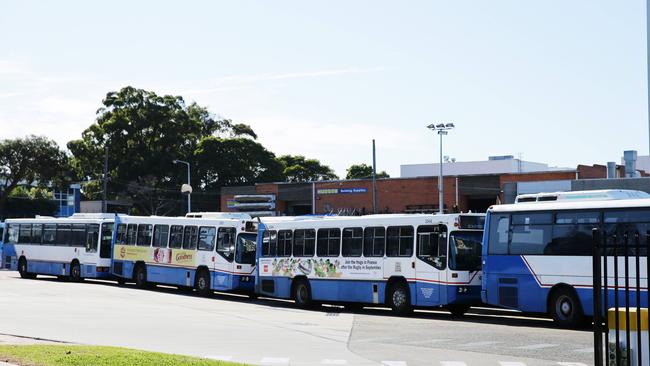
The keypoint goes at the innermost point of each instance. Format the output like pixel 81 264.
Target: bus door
pixel 431 264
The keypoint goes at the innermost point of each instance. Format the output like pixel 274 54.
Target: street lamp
pixel 186 187
pixel 442 129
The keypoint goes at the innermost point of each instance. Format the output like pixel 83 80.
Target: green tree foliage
pixel 145 132
pixel 363 171
pixel 33 160
pixel 299 169
pixel 235 161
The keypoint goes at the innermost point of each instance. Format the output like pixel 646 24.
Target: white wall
pixel 472 168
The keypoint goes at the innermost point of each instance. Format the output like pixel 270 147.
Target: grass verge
pixel 64 355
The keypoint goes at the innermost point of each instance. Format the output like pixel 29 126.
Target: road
pixel 272 332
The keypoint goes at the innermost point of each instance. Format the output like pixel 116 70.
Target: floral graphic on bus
pixel 305 266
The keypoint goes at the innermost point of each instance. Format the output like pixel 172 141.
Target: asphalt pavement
pixel 273 332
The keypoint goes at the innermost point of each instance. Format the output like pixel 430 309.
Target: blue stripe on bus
pixel 422 293
pixel 184 276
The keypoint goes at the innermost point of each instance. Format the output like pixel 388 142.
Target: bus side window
pixel 285 242
pixel 176 237
pixel 144 235
pixel 190 237
pixel 49 234
pixel 160 236
pixel 91 238
pixel 131 234
pixel 37 233
pixel 269 243
pixel 120 237
pixel 432 245
pixel 226 242
pixel 498 236
pixel 399 242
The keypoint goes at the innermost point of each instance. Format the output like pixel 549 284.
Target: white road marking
pixel 479 344
pixel 275 360
pixel 393 363
pixel 571 364
pixel 327 361
pixel 452 363
pixel 508 363
pixel 537 346
pixel 220 358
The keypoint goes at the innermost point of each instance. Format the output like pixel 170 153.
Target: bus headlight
pixel 463 290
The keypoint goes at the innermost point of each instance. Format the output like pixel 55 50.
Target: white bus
pixel 397 260
pixel 207 251
pixel 538 252
pixel 76 247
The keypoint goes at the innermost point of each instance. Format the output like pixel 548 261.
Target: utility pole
pixel 647 9
pixel 374 177
pixel 105 179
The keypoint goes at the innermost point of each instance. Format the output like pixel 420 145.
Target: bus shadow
pixel 479 315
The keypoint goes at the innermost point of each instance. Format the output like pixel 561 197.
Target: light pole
pixel 442 130
pixel 189 185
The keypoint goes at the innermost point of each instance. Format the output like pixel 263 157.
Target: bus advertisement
pixel 399 260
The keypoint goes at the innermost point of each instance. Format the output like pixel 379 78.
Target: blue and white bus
pixel 537 253
pixel 204 251
pixel 74 247
pixel 402 261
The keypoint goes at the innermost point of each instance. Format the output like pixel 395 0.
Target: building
pixel 469 186
pixel 506 164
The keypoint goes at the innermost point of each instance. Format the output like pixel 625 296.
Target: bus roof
pixel 570 205
pixel 574 196
pixel 380 219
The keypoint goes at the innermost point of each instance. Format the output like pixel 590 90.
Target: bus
pixel 2 236
pixel 396 260
pixel 538 252
pixel 73 248
pixel 204 251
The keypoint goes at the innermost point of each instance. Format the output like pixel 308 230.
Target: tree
pixel 33 160
pixel 144 133
pixel 363 171
pixel 235 161
pixel 299 169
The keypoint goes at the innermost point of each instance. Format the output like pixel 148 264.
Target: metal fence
pixel 619 259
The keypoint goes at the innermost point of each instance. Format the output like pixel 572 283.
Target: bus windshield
pixel 246 245
pixel 465 250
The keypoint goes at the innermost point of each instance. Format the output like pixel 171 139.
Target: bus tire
pixel 458 309
pixel 121 281
pixel 202 282
pixel 22 269
pixel 399 298
pixel 75 271
pixel 302 294
pixel 565 307
pixel 140 276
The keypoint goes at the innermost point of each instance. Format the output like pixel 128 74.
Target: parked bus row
pixel 533 256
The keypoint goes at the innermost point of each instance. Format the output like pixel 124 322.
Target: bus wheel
pixel 140 276
pixel 565 308
pixel 458 309
pixel 121 281
pixel 398 299
pixel 22 269
pixel 75 272
pixel 302 294
pixel 202 283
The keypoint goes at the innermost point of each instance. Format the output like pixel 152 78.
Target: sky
pixel 556 81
